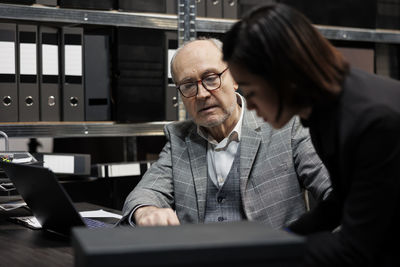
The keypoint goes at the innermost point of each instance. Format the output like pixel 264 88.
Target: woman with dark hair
pixel 285 67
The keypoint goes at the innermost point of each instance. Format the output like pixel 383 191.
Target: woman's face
pixel 261 96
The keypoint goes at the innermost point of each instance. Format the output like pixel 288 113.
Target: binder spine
pixel 72 74
pixel 230 9
pixel 28 87
pixel 50 99
pixel 214 9
pixel 8 73
pixel 97 78
pixel 47 2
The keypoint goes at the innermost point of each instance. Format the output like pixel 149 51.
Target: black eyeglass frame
pixel 205 86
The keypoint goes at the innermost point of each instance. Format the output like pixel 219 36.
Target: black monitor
pixel 244 244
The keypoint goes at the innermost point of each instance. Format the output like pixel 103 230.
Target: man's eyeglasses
pixel 210 82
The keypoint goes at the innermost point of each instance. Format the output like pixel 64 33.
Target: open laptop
pixel 47 199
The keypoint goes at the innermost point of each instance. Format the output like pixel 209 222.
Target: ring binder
pixel 8 81
pixel 97 78
pixel 50 98
pixel 28 86
pixel 72 74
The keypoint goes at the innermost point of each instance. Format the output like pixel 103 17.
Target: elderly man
pixel 225 164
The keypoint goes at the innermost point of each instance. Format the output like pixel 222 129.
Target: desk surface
pixel 21 246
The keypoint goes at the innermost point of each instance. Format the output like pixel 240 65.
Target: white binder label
pixel 50 59
pixel 73 60
pixel 28 59
pixel 171 53
pixel 59 164
pixel 7 57
pixel 128 169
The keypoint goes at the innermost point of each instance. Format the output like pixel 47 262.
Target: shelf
pixel 213 25
pixel 40 13
pixel 330 32
pixel 169 22
pixel 82 129
pixel 84 16
pixel 358 34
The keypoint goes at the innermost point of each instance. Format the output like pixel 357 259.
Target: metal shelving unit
pixel 82 129
pixel 330 32
pixel 139 20
pixel 362 35
pixel 83 16
pixel 95 17
pixel 170 22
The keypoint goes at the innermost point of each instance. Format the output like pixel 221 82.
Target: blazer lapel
pixel 249 145
pixel 197 148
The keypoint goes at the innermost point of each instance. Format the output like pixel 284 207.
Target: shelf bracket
pixel 186 32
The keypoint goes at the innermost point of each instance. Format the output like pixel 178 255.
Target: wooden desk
pixel 21 246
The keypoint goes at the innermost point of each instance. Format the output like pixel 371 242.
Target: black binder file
pixel 97 78
pixel 171 93
pixel 201 8
pixel 47 2
pixel 28 87
pixel 89 4
pixel 139 87
pixel 156 6
pixel 8 81
pixel 214 9
pixel 20 2
pixel 72 74
pixel 50 98
pixel 230 9
pixel 171 6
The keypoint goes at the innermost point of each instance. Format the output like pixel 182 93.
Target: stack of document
pixel 33 223
pixel 12 205
pixel 66 163
pixel 14 157
pixel 17 157
pixel 108 170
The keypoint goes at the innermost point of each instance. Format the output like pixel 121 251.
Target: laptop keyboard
pixel 96 224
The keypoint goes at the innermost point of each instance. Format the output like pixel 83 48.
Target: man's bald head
pixel 217 43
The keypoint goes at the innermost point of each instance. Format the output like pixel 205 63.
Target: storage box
pixel 88 4
pixel 355 13
pixel 20 2
pixel 47 2
pixel 139 86
pixel 154 6
pixel 388 14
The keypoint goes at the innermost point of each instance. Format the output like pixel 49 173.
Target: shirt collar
pixel 234 135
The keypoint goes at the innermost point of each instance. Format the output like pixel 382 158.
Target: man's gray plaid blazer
pixel 274 167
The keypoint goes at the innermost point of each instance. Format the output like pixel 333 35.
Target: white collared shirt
pixel 220 155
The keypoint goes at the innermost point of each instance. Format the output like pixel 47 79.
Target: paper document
pixel 12 205
pixel 99 214
pixel 32 222
pixel 59 163
pixel 171 53
pixel 29 221
pixel 28 159
pixel 7 187
pixel 17 157
pixel 127 169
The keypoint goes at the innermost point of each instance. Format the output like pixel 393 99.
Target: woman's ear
pixel 235 86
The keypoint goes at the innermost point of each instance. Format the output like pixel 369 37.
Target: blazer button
pixel 220 219
pixel 220 199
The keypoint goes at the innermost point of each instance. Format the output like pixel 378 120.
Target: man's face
pixel 194 62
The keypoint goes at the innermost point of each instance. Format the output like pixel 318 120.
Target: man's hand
pixel 152 216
